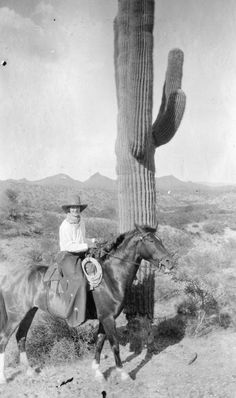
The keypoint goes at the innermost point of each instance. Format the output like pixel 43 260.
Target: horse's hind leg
pixel 21 335
pixel 7 327
pixel 5 333
pixel 101 337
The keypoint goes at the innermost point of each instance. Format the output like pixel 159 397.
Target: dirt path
pixel 168 374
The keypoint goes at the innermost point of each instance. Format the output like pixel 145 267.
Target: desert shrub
pixel 205 309
pixel 213 228
pixel 17 218
pixel 9 205
pixel 12 204
pixel 62 351
pixel 188 306
pixel 35 255
pixel 225 319
pixel 11 208
pixel 201 307
pixel 50 223
pixel 208 277
pixel 202 297
pixel 52 341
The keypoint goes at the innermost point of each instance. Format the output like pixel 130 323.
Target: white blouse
pixel 72 237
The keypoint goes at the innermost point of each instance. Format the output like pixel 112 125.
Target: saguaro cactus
pixel 137 137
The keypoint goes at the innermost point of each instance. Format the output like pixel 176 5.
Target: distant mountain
pixel 171 183
pixel 58 179
pixel 98 181
pixel 102 183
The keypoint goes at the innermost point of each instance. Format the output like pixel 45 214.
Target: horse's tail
pixel 3 312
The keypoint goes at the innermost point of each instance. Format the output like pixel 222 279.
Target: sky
pixel 58 107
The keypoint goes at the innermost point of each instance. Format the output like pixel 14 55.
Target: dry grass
pixel 52 341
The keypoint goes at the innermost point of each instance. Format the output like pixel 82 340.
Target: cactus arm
pixel 140 76
pixel 167 122
pixel 173 101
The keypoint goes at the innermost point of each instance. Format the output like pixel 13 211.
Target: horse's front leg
pixel 111 333
pixel 101 337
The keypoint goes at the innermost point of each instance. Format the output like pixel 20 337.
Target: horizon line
pixel 115 179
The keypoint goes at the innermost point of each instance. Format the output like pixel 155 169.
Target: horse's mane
pixel 104 249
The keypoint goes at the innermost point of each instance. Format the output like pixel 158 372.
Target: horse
pixel 24 292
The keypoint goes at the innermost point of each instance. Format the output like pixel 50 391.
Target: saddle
pixel 67 289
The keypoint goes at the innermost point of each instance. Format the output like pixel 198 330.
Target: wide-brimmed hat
pixel 74 201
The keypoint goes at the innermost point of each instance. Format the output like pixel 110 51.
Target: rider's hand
pixel 92 243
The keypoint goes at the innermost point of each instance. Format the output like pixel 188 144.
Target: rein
pixel 134 262
pixel 123 261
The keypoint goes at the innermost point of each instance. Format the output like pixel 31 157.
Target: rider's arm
pixel 90 242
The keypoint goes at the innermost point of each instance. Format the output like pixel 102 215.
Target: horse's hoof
pixel 123 375
pixel 30 372
pixel 99 376
pixel 95 365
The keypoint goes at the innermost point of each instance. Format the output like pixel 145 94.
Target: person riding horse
pixel 72 238
pixel 74 247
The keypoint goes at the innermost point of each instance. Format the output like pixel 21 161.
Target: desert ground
pixel 169 373
pixel 193 347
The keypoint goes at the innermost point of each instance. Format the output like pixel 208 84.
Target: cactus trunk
pixel 134 148
pixel 136 197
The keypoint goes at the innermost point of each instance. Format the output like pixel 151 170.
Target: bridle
pixel 141 238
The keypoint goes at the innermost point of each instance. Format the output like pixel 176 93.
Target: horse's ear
pixel 138 228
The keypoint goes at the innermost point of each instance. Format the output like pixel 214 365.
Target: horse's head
pixel 152 249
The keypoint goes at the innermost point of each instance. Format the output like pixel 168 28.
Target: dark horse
pixel 23 292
